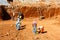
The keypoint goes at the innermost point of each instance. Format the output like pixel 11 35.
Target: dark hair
pixel 10 1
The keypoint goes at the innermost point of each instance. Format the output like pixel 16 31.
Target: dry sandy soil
pixel 52 26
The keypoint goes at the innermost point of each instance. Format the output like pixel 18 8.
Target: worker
pixel 21 16
pixel 40 29
pixel 18 24
pixel 34 26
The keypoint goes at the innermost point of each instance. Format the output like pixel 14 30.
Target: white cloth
pixel 40 27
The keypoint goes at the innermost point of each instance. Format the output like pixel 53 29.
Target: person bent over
pixel 40 29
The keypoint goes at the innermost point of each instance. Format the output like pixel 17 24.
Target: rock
pixel 16 39
pixel 11 25
pixel 7 34
pixel 42 17
pixel 2 36
pixel 12 38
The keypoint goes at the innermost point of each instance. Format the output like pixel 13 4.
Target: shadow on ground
pixel 23 27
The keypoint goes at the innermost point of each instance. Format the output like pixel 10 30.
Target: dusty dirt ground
pixel 52 26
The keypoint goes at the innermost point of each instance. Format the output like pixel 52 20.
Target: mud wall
pixel 34 12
